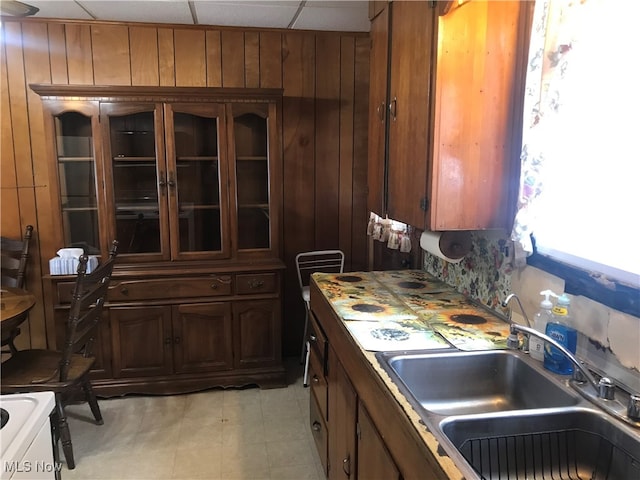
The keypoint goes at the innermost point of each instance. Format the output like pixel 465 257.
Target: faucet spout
pixel 512 342
pixel 506 301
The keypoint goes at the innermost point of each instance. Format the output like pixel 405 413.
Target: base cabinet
pixel 364 432
pixel 173 334
pixel 162 340
pixel 346 438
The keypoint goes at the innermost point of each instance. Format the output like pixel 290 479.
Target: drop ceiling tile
pixel 347 16
pixel 59 9
pixel 153 11
pixel 266 14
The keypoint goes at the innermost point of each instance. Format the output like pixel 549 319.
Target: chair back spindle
pixel 89 296
pixel 14 258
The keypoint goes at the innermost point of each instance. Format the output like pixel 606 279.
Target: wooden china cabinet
pixel 188 180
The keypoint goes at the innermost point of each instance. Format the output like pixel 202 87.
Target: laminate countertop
pixel 409 310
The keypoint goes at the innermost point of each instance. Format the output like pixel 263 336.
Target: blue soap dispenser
pixel 561 330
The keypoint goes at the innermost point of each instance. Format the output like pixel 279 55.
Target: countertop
pixel 410 310
pixel 405 310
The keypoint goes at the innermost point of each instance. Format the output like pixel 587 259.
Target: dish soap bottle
pixel 560 329
pixel 540 320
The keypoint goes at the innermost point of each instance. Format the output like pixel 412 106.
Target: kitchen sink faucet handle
pixel 633 408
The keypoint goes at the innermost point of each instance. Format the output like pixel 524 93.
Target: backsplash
pixel 608 339
pixel 484 274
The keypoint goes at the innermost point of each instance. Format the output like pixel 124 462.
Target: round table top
pixel 14 302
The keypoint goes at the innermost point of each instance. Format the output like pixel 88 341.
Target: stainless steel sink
pixel 455 383
pixel 577 443
pixel 498 414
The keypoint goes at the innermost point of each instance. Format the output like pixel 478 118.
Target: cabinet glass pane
pixel 252 177
pixel 198 182
pixel 135 182
pixel 77 181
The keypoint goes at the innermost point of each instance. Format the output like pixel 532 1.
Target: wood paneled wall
pixel 325 79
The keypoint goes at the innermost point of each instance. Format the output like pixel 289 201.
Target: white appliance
pixel 26 449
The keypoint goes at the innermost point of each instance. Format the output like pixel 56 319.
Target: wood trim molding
pixel 168 94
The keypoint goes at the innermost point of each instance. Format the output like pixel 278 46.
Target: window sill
pixel 617 296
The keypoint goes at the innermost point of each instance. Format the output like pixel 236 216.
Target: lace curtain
pixel 555 27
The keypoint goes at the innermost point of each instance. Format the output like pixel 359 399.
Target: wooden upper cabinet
pixel 379 58
pixel 409 135
pixel 171 173
pixel 478 98
pixel 455 86
pixel 75 172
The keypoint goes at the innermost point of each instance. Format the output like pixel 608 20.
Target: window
pixel 580 186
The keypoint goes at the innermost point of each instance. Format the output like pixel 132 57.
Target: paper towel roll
pixel 450 246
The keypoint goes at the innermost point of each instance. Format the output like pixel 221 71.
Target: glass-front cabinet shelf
pixel 189 174
pixel 252 176
pixel 76 172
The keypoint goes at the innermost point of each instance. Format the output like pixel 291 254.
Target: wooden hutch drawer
pixel 256 283
pixel 215 285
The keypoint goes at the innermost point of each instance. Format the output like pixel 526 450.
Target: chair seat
pixel 34 370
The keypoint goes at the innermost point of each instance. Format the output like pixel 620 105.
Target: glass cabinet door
pixel 135 156
pixel 197 195
pixel 251 132
pixel 76 165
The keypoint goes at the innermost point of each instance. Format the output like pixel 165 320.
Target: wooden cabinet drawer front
pixel 256 283
pixel 319 432
pixel 318 383
pixel 170 288
pixel 318 343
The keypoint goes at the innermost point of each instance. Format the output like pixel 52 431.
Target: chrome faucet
pixel 506 301
pixel 604 388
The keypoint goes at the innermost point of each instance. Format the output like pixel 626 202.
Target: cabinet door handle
pixel 177 340
pixel 168 341
pixel 171 181
pixel 256 284
pixel 315 426
pixel 313 338
pixel 315 379
pixel 162 182
pixel 381 110
pixel 393 107
pixel 346 465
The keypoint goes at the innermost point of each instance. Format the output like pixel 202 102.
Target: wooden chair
pixel 14 255
pixel 65 372
pixel 328 261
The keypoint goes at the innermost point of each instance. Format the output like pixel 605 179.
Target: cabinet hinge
pixel 424 203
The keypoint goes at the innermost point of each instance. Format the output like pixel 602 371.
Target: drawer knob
pixel 256 284
pixel 315 426
pixel 214 286
pixel 124 291
pixel 315 379
pixel 168 341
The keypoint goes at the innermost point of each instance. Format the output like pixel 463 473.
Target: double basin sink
pixel 498 414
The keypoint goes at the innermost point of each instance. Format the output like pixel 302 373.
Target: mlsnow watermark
pixel 32 467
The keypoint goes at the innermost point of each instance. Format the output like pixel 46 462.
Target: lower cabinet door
pixel 202 337
pixel 374 460
pixel 257 333
pixel 342 423
pixel 142 341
